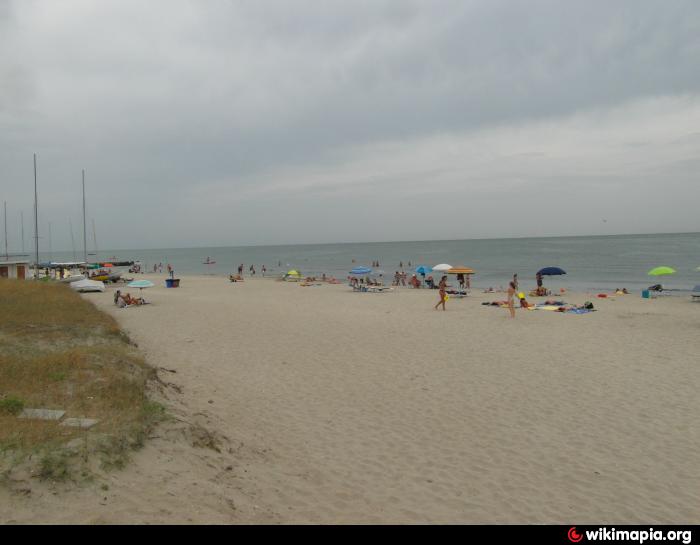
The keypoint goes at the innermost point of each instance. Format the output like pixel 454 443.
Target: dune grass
pixel 57 351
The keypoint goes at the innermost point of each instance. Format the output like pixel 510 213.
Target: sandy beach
pixel 315 404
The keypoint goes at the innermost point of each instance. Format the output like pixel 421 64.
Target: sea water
pixel 591 263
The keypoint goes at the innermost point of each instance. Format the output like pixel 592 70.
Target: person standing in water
pixel 442 286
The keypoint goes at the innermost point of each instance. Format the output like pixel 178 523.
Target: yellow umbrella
pixel 658 271
pixel 460 270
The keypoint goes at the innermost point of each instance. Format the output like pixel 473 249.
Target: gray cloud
pixel 225 122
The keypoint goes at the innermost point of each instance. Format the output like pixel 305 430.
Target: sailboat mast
pixel 36 218
pixel 7 254
pixel 84 225
pixel 72 239
pixel 21 214
pixel 94 237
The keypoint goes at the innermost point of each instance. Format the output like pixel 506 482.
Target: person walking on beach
pixel 511 295
pixel 442 286
pixel 240 269
pixel 263 270
pixel 252 270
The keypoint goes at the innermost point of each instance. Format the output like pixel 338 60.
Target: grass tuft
pixel 11 406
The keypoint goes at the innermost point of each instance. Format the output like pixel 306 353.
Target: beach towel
pixel 579 310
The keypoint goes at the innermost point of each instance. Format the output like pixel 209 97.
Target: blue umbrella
pixel 551 271
pixel 361 270
pixel 423 269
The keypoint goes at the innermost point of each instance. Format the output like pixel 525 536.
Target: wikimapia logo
pixel 574 537
pixel 635 536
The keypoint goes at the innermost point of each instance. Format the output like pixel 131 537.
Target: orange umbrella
pixel 460 270
pixel 107 265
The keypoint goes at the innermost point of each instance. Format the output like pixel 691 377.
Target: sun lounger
pixel 695 295
pixel 457 293
pixel 371 289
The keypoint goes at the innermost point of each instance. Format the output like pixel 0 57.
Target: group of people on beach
pixel 126 300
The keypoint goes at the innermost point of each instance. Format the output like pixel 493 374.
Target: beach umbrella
pixel 442 267
pixel 551 271
pixel 140 284
pixel 361 270
pixel 423 269
pixel 293 272
pixel 660 271
pixel 460 270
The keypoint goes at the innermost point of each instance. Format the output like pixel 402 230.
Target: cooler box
pixel 645 294
pixel 172 282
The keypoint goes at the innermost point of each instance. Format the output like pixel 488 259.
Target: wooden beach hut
pixel 14 269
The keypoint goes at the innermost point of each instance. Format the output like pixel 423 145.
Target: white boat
pixel 85 285
pixel 72 278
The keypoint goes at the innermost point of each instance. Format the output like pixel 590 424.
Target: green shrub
pixel 11 405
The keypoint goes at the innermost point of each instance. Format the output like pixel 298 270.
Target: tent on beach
pixel 292 275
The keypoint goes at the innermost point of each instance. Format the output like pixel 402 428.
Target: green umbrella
pixel 660 271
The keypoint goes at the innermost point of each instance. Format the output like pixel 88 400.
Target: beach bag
pixel 588 305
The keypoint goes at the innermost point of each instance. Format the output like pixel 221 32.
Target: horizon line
pixel 396 241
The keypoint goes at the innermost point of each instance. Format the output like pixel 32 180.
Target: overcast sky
pixel 203 123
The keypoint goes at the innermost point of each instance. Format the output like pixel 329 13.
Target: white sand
pixel 333 406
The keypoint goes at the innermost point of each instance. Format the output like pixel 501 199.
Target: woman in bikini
pixel 511 295
pixel 442 286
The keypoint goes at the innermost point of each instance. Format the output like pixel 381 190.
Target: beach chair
pixel 379 289
pixel 695 294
